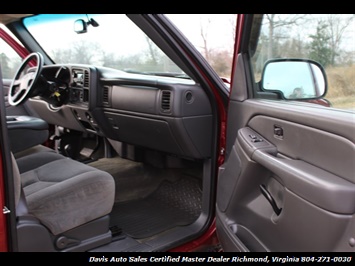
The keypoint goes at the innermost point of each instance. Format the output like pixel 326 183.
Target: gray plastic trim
pixel 239 90
pixel 332 193
pixel 26 132
pixel 62 117
pixel 26 122
pixel 317 147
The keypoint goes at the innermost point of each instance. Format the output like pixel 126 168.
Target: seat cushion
pixel 63 193
pixel 34 149
pixel 35 157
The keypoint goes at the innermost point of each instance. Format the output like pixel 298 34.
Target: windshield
pixel 115 42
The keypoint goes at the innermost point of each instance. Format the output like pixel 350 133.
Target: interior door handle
pixel 270 199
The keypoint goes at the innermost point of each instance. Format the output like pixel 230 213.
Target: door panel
pixel 288 182
pixel 307 144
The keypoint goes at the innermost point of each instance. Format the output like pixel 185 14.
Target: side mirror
pixel 294 78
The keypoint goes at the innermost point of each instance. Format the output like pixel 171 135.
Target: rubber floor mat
pixel 173 204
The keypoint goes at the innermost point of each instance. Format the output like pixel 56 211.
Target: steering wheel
pixel 23 83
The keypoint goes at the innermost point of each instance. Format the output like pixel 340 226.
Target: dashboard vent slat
pixel 86 79
pixel 106 95
pixel 166 100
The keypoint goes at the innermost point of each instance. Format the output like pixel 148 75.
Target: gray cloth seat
pixel 63 193
pixel 35 157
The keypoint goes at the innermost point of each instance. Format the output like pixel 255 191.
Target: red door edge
pixel 208 242
pixel 3 227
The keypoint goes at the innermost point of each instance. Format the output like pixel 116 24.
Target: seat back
pixel 20 200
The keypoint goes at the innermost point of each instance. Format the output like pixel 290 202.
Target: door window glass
pixel 328 39
pixel 9 59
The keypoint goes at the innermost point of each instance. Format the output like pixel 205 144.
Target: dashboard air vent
pixel 86 79
pixel 166 100
pixel 106 95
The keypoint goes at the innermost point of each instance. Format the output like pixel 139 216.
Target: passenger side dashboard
pixel 171 115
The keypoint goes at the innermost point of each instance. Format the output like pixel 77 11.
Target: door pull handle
pixel 270 199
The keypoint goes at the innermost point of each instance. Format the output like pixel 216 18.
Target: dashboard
pixel 167 114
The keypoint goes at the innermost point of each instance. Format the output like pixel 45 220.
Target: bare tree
pixel 219 58
pixel 153 51
pixel 204 35
pixel 337 23
pixel 233 22
pixel 85 52
pixel 276 21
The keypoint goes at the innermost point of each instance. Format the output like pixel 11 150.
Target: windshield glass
pixel 115 42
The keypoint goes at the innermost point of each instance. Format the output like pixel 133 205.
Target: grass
pixel 341 86
pixel 344 102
